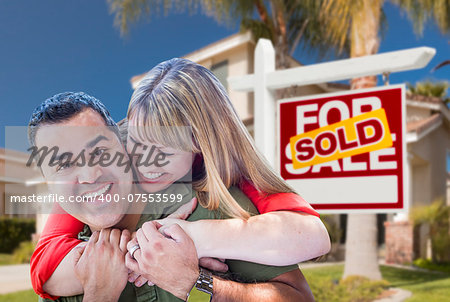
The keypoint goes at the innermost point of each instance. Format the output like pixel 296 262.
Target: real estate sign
pixel 345 152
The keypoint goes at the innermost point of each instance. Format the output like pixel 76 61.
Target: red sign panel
pixel 346 152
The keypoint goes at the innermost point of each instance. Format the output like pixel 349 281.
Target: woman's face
pixel 157 166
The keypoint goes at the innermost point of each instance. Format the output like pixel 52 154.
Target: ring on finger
pixel 133 249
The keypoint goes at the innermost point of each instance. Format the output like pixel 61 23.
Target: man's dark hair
pixel 63 106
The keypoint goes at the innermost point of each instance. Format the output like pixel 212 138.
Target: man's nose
pixel 89 175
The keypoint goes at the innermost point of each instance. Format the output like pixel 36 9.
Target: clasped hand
pixel 167 257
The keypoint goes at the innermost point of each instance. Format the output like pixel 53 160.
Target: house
pixel 428 147
pixel 18 179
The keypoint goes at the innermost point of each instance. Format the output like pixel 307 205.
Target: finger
pixel 161 222
pixel 131 243
pixel 141 280
pixel 141 238
pixel 124 239
pixel 150 283
pixel 77 253
pixel 82 244
pixel 176 233
pixel 150 230
pixel 137 255
pixel 131 263
pixel 104 235
pixel 213 264
pixel 94 237
pixel 133 276
pixel 185 210
pixel 162 229
pixel 114 237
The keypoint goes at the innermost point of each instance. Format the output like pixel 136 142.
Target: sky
pixel 52 46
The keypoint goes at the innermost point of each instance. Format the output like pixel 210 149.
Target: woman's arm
pixel 288 231
pixel 275 238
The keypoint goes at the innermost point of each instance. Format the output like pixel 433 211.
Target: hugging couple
pixel 208 221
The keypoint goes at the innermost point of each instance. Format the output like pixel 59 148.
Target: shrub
pixel 436 216
pixel 23 253
pixel 13 231
pixel 428 264
pixel 335 233
pixel 361 289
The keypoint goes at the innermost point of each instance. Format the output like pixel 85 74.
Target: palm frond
pixel 420 11
pixel 127 12
pixel 258 28
pixel 430 88
pixel 440 65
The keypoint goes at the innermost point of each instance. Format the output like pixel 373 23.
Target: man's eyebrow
pixel 95 141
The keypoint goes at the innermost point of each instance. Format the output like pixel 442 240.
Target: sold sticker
pixel 363 133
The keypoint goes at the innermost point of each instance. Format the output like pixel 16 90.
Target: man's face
pixel 86 133
pixel 154 178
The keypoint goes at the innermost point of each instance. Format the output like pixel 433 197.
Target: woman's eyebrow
pixel 158 146
pixel 134 141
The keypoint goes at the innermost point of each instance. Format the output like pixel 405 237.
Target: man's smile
pixel 92 195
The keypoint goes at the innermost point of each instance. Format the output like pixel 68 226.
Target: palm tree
pixel 287 23
pixel 431 89
pixel 360 20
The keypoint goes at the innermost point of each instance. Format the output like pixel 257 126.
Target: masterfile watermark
pixel 97 157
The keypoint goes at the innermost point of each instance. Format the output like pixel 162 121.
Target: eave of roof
pixel 209 51
pixel 418 129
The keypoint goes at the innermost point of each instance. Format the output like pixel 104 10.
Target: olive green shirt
pixel 241 271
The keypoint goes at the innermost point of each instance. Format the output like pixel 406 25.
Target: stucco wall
pixel 238 64
pixel 429 166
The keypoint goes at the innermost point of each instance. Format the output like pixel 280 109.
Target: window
pixel 220 70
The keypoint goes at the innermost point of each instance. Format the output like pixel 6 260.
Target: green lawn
pixel 22 296
pixel 430 287
pixel 6 259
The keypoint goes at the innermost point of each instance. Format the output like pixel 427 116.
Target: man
pixel 78 124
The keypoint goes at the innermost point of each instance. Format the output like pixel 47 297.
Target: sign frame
pixel 405 167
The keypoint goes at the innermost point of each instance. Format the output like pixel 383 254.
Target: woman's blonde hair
pixel 178 93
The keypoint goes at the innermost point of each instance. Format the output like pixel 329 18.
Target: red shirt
pixel 60 234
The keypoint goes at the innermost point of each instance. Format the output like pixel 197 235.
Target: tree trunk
pixel 361 251
pixel 282 61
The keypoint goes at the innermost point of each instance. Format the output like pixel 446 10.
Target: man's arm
pixel 58 284
pixel 171 263
pixel 290 286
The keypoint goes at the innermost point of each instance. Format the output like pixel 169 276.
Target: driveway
pixel 14 278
